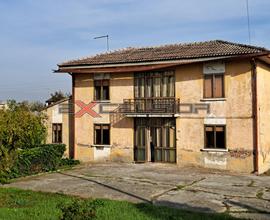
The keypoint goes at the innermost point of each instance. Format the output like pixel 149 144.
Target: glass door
pixel 165 150
pixel 155 140
pixel 140 144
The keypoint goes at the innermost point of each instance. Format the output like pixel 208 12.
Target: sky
pixel 36 35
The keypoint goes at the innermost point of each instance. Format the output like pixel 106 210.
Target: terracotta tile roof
pixel 171 52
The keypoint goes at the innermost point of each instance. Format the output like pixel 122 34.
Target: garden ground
pixel 18 204
pixel 189 188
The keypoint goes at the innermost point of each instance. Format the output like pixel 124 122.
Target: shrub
pixel 39 159
pixel 19 128
pixel 80 209
pixel 7 160
pixel 69 162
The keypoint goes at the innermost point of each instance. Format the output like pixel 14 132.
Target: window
pixel 57 133
pixel 102 134
pixel 101 90
pixel 214 86
pixel 215 136
pixel 154 84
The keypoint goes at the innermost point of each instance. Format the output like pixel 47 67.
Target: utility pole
pixel 104 36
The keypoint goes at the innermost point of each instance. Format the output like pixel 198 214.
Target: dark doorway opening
pixel 155 140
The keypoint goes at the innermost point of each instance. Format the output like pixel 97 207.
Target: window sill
pixel 101 145
pixel 212 99
pixel 214 150
pixel 102 101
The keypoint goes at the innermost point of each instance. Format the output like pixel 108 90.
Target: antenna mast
pixel 104 36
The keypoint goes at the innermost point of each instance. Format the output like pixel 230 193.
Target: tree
pixel 19 128
pixel 56 96
pixel 36 106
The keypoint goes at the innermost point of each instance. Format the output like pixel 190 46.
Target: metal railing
pixel 153 105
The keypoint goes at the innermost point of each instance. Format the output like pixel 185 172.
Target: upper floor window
pixel 214 79
pixel 215 136
pixel 56 133
pixel 154 84
pixel 214 86
pixel 102 90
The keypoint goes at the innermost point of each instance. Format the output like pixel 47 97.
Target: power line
pixel 248 21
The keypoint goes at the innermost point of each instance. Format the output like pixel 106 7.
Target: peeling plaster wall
pixel 121 132
pixel 84 125
pixel 235 111
pixel 53 116
pixel 263 84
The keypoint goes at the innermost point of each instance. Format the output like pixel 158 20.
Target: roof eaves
pixel 243 45
pixel 58 102
pixel 177 62
pixel 163 60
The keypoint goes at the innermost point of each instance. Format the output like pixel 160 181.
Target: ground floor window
pixel 215 136
pixel 102 134
pixel 56 133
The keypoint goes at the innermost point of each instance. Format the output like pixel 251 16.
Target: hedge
pixel 39 159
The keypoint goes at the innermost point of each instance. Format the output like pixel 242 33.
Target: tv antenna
pixel 104 36
pixel 248 21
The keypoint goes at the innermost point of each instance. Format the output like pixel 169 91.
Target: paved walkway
pixel 245 196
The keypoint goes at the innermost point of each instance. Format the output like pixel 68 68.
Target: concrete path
pixel 245 196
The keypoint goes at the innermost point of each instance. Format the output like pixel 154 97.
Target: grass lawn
pixel 16 204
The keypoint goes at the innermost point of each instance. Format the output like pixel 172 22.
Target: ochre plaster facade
pixel 235 111
pixel 54 115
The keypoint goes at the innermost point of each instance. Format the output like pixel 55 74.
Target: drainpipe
pixel 72 115
pixel 255 114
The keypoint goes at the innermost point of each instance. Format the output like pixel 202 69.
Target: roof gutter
pixel 144 63
pixel 70 68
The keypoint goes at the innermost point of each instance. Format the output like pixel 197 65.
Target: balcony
pixel 150 106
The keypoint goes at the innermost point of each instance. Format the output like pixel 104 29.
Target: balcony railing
pixel 155 105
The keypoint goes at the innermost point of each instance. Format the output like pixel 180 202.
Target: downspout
pixel 72 114
pixel 255 114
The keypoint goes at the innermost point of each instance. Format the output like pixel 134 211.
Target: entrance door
pixel 140 143
pixel 155 140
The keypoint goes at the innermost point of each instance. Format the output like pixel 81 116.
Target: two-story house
pixel 203 103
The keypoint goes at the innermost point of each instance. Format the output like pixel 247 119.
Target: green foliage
pixel 80 209
pixel 57 96
pixel 21 128
pixel 40 159
pixel 69 162
pixel 35 106
pixel 7 159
